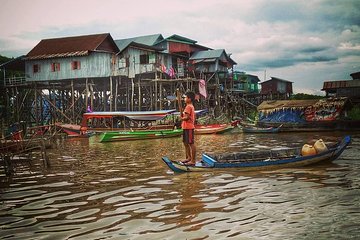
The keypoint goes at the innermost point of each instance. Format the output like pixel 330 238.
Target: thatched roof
pixel 269 106
pixel 277 104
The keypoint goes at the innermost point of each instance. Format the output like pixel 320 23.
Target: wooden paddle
pixel 178 97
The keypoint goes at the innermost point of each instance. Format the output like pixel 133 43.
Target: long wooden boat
pixel 260 160
pixel 91 122
pixel 74 130
pixel 213 128
pixel 252 129
pixel 139 135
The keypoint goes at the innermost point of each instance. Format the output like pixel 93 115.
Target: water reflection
pixel 123 191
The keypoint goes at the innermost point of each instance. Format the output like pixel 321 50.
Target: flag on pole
pixel 202 88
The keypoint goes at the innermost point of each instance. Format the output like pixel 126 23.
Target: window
pixel 55 67
pixel 36 68
pixel 144 59
pixel 124 62
pixel 75 65
pixel 152 58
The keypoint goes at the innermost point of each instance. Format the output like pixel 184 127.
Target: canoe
pixel 251 129
pixel 260 160
pixel 139 135
pixel 213 128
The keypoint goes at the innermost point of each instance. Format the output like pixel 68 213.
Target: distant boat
pixel 213 128
pixel 260 160
pixel 74 130
pixel 252 129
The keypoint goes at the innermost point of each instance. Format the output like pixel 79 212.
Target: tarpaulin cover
pixel 283 115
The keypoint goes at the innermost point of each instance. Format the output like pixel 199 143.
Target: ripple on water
pixel 112 193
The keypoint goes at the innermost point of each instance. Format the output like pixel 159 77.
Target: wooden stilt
pixel 111 94
pixel 132 94
pixel 86 93
pixel 161 97
pixel 36 106
pixel 92 95
pixel 139 92
pixel 116 92
pixel 72 101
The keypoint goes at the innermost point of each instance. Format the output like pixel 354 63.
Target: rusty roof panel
pixel 72 46
pixel 59 55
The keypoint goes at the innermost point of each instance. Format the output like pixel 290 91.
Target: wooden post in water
pixel 111 94
pixel 91 86
pixel 72 101
pixel 86 93
pixel 161 96
pixel 151 97
pixel 36 106
pixel 132 94
pixel 139 92
pixel 156 92
pixel 54 111
pixel 116 92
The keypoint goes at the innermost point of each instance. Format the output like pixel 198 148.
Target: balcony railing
pixel 13 81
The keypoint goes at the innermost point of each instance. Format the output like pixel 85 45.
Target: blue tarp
pixel 283 115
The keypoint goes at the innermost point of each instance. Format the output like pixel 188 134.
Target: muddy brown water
pixel 123 190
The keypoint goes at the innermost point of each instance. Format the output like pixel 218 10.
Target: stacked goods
pixel 320 146
pixel 308 150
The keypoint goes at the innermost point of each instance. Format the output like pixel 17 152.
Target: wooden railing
pixel 14 81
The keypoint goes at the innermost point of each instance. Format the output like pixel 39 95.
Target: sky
pixel 306 42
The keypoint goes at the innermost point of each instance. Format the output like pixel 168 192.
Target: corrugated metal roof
pixel 211 54
pixel 207 54
pixel 71 46
pixel 178 38
pixel 149 40
pixel 341 84
pixel 59 55
pixel 276 79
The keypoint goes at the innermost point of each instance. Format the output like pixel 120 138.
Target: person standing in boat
pixel 188 126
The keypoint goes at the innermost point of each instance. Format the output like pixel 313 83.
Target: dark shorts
pixel 188 136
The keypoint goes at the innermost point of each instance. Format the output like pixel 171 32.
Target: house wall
pixel 348 92
pixel 175 47
pixel 268 87
pixel 134 68
pixel 94 65
pixel 276 87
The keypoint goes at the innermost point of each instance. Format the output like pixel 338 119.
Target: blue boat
pixel 253 129
pixel 260 160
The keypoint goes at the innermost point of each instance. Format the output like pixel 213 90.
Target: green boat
pixel 139 135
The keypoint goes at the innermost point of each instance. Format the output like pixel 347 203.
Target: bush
pixel 354 113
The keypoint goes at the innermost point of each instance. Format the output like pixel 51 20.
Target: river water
pixel 123 190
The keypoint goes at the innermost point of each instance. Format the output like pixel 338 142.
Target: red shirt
pixel 190 123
